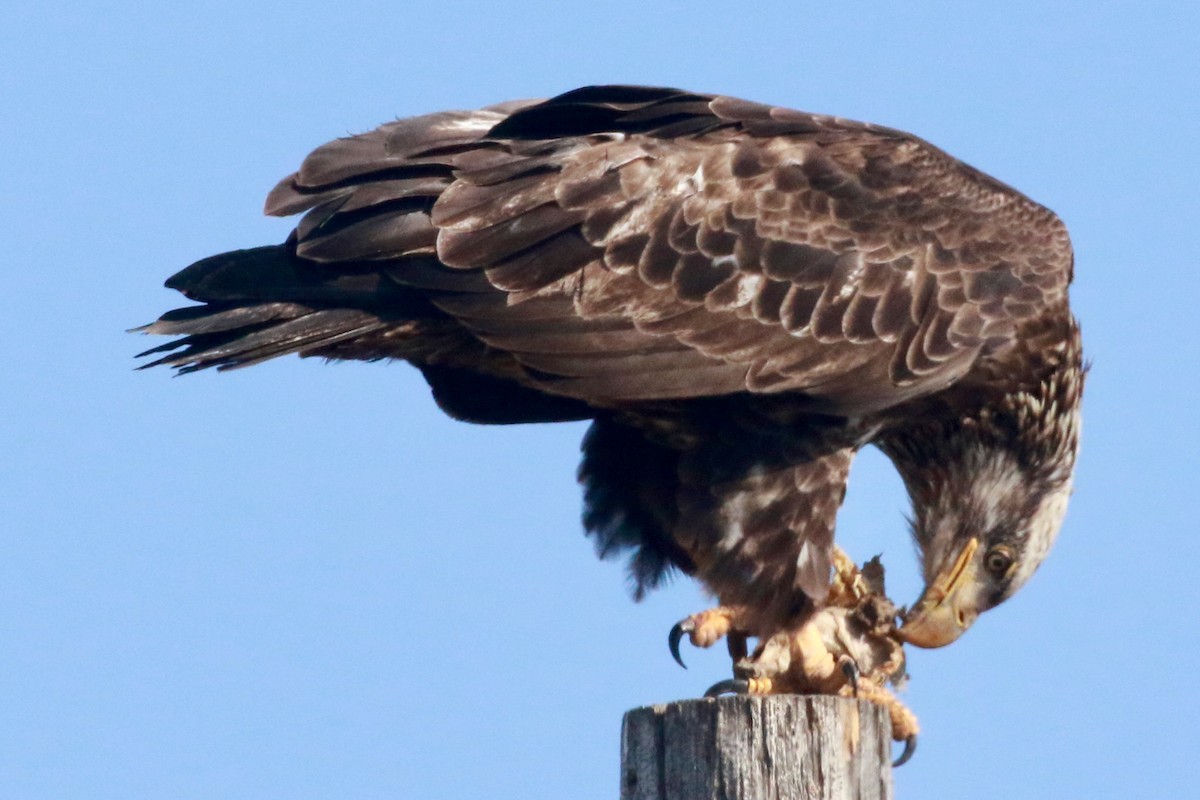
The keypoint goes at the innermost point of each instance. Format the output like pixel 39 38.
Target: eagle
pixel 738 297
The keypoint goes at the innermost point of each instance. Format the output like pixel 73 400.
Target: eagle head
pixel 989 493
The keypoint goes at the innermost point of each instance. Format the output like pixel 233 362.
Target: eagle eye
pixel 998 561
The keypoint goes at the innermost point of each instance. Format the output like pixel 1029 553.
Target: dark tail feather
pixel 276 274
pixel 266 302
pixel 264 333
pixel 239 274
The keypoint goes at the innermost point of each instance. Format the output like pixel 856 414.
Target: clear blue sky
pixel 301 581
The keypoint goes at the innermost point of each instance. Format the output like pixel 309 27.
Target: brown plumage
pixel 739 296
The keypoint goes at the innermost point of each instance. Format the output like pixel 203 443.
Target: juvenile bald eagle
pixel 739 297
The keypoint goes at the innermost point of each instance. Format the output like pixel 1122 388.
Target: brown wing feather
pixel 631 247
pixel 775 250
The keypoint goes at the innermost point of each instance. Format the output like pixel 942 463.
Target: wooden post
pixel 783 747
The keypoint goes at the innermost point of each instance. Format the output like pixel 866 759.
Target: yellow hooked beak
pixel 945 611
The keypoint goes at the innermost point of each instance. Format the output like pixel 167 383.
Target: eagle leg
pixel 736 642
pixel 796 661
pixel 706 628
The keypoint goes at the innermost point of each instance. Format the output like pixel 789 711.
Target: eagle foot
pixel 706 629
pixel 797 661
pixel 847 647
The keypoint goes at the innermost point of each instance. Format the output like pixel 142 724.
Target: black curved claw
pixel 729 686
pixel 910 747
pixel 676 636
pixel 850 670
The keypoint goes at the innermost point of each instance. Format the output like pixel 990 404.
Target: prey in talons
pixel 848 647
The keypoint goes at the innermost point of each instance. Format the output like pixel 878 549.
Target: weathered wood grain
pixel 757 748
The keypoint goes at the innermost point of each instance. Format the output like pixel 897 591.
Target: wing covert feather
pixel 773 250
